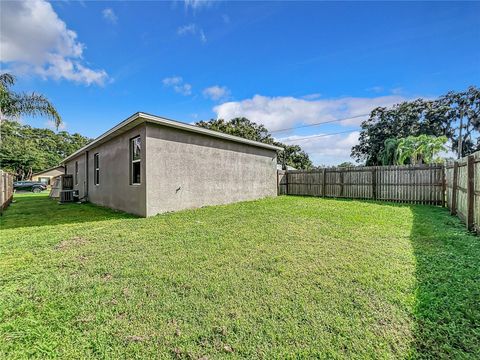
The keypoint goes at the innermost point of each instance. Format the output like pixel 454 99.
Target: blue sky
pixel 283 64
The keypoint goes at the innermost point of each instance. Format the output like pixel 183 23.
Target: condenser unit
pixel 68 196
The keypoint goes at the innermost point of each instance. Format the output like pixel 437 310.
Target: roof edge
pixel 52 168
pixel 193 128
pixel 145 117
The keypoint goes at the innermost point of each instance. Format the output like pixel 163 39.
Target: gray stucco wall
pixel 81 186
pixel 114 189
pixel 189 170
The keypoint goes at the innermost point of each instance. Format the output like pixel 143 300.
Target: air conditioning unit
pixel 66 196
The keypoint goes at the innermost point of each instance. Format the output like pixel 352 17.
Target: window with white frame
pixel 96 169
pixel 135 160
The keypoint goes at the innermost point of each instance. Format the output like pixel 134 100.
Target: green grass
pixel 287 277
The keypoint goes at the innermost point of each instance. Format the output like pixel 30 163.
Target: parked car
pixel 34 186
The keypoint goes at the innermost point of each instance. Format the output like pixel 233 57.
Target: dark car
pixel 34 186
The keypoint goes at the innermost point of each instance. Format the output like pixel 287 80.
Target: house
pixel 148 165
pixel 47 176
pixel 280 167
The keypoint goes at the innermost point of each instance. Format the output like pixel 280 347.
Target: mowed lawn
pixel 287 277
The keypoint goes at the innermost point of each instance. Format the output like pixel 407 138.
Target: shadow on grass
pixel 447 312
pixel 447 272
pixel 33 210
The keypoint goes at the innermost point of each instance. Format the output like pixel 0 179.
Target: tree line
pixel 407 133
pixel 454 116
pixel 25 150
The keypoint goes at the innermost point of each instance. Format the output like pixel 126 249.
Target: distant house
pixel 46 176
pixel 148 165
pixel 280 167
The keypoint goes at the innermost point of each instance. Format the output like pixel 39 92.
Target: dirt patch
pixel 136 338
pixel 227 348
pixel 74 242
pixel 107 277
pixel 84 320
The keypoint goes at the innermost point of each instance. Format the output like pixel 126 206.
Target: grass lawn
pixel 288 277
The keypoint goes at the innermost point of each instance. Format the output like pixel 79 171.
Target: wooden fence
pixel 456 185
pixel 409 184
pixel 6 190
pixel 463 189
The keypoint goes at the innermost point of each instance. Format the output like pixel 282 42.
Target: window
pixel 135 160
pixel 44 180
pixel 96 169
pixel 76 172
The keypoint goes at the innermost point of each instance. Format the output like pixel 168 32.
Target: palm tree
pixel 419 149
pixel 14 105
pixel 429 146
pixel 388 156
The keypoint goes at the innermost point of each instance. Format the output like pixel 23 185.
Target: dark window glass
pixel 96 169
pixel 136 148
pixel 135 160
pixel 136 173
pixel 76 172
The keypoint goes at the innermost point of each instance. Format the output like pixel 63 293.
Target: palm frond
pixel 6 80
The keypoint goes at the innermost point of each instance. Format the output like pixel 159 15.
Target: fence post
pixel 341 183
pixel 2 192
pixel 324 182
pixel 286 182
pixel 444 186
pixel 470 191
pixel 453 210
pixel 278 182
pixel 374 183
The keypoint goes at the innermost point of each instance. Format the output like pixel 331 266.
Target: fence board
pixel 476 187
pixel 6 190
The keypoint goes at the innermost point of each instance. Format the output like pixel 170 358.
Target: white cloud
pixel 397 90
pixel 192 29
pixel 311 96
pixel 216 92
pixel 35 40
pixel 109 15
pixel 187 29
pixel 203 38
pixel 178 85
pixel 174 80
pixel 197 4
pixel 286 111
pixel 375 89
pixel 325 150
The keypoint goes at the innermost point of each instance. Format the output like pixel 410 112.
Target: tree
pixel 439 117
pixel 241 127
pixel 346 164
pixel 463 108
pixel 25 150
pixel 13 105
pixel 419 150
pixel 293 155
pixel 388 155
